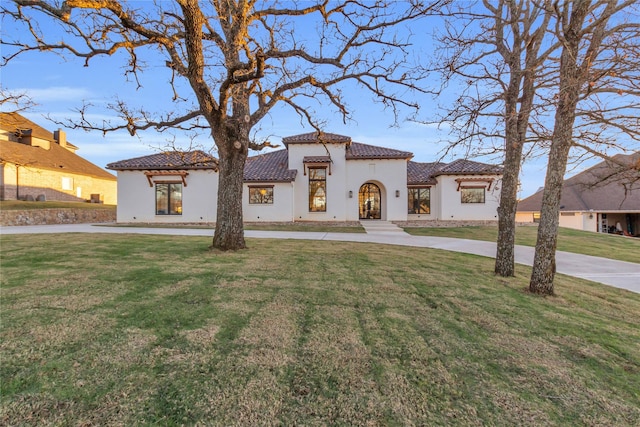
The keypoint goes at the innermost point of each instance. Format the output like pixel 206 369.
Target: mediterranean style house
pixel 316 177
pixel 604 198
pixel 36 164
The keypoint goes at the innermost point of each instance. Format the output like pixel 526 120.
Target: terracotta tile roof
pixel 168 160
pixel 465 167
pixel 14 122
pixel 422 173
pixel 363 151
pixel 316 159
pixel 311 137
pixel 274 166
pixel 603 187
pixel 269 167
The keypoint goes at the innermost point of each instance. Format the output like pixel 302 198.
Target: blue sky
pixel 60 85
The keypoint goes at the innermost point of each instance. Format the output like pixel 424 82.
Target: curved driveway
pixel 620 274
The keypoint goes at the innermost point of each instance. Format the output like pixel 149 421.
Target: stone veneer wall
pixel 56 216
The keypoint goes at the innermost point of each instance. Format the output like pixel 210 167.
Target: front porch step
pixel 374 226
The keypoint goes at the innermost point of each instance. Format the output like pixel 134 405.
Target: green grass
pixel 307 227
pixel 22 205
pixel 569 240
pixel 315 227
pixel 157 330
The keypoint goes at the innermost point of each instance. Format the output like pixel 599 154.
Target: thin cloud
pixel 56 93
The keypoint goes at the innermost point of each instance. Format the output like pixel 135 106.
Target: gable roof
pixel 358 151
pixel 14 122
pixel 466 167
pixel 56 158
pixel 273 167
pixel 606 186
pixel 168 160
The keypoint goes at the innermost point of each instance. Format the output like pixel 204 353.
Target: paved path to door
pixel 620 274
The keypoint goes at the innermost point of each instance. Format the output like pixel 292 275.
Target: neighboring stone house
pixel 330 178
pixel 38 164
pixel 604 198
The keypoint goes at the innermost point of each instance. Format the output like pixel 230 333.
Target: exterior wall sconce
pixel 350 194
pixel 397 193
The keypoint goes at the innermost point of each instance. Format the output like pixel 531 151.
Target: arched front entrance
pixel 369 202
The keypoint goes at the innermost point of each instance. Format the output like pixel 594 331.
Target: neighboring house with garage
pixel 314 178
pixel 36 164
pixel 604 198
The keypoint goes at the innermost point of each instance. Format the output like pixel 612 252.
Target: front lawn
pixel 157 330
pixel 581 242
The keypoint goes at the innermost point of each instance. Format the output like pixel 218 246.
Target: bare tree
pixel 600 43
pixel 13 102
pixel 240 59
pixel 496 52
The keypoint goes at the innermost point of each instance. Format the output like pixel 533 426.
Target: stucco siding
pixel 137 200
pixel 452 207
pixel 280 211
pixel 390 175
pixel 336 177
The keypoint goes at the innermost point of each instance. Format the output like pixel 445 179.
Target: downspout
pixel 17 182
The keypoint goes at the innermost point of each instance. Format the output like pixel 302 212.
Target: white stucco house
pixel 324 177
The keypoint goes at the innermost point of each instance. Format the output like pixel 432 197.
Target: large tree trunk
pixel 505 258
pixel 505 252
pixel 571 77
pixel 544 263
pixel 229 233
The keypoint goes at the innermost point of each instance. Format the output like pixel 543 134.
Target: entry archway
pixel 369 201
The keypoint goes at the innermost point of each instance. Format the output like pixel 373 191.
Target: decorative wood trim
pixel 489 181
pixel 261 186
pixel 151 174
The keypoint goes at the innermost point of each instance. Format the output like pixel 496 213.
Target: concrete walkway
pixel 620 274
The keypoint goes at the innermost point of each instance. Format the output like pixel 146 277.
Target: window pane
pixel 419 200
pixel 162 199
pixel 472 195
pixel 261 195
pixel 414 205
pixel 317 190
pixel 425 200
pixel 175 199
pixel 317 174
pixel 169 199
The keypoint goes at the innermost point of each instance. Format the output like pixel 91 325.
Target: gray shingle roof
pixel 603 187
pixel 269 167
pixel 363 151
pixel 168 160
pixel 465 167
